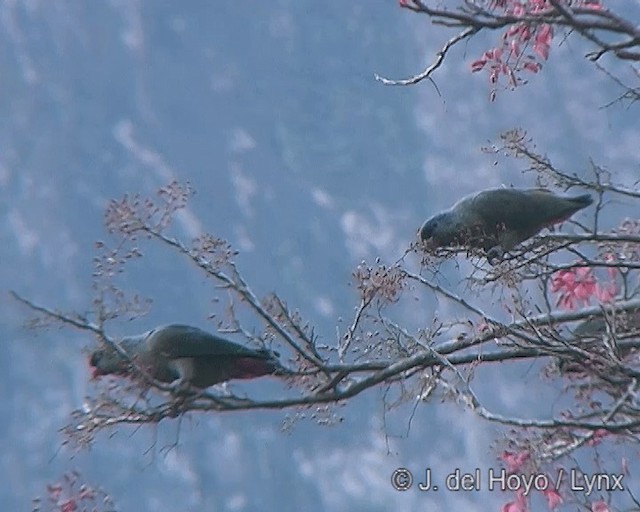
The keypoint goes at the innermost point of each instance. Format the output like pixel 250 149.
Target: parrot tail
pixel 582 201
pixel 569 206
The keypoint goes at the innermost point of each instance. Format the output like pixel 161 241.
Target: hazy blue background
pixel 301 160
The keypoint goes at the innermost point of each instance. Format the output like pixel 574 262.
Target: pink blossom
pixel 580 285
pixel 514 48
pixel 573 285
pixel 544 33
pixel 477 65
pixel 538 6
pixel 609 258
pixel 542 41
pixel 514 461
pixel 519 505
pixel 553 498
pixel 512 31
pixel 594 5
pixel 597 437
pixel 69 505
pixel 599 506
pixel 516 36
pixel 605 292
pixel 54 491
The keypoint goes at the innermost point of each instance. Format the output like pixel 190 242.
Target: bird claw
pixel 181 387
pixel 495 253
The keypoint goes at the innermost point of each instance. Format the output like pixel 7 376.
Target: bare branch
pixel 465 34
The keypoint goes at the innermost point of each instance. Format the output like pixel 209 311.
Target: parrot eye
pixel 428 229
pixel 95 358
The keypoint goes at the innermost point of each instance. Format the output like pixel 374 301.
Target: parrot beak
pixel 95 373
pixel 426 241
pixel 425 235
pixel 94 369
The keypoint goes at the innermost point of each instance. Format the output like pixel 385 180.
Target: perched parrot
pixel 497 220
pixel 627 323
pixel 589 334
pixel 185 354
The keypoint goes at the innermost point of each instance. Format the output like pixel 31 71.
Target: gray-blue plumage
pixel 187 354
pixel 499 219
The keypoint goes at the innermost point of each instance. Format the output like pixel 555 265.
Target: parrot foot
pixel 181 387
pixel 495 254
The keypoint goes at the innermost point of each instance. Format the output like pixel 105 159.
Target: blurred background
pixel 303 162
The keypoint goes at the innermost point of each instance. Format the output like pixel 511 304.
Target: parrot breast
pixel 250 367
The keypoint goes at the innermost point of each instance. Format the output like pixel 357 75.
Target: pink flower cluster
pixel 553 501
pixel 509 58
pixel 71 495
pixel 514 462
pixel 579 284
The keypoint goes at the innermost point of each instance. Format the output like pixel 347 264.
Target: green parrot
pixel 497 220
pixel 185 354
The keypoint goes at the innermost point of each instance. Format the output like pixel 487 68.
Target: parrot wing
pixel 510 208
pixel 514 215
pixel 596 326
pixel 183 341
pixel 528 208
pixel 495 217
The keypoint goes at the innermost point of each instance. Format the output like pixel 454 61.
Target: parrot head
pixel 439 230
pixel 105 362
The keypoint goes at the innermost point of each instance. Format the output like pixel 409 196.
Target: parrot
pixel 597 326
pixel 589 333
pixel 186 355
pixel 497 220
